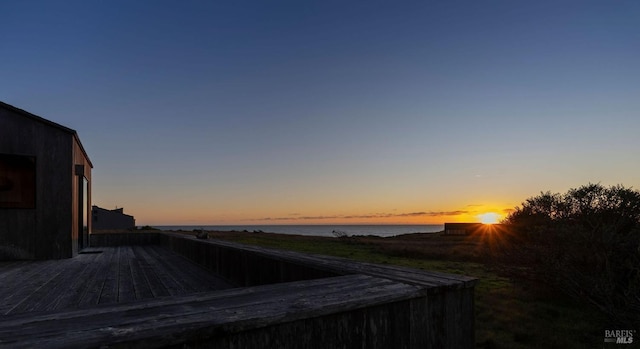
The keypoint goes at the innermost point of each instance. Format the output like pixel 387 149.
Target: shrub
pixel 586 243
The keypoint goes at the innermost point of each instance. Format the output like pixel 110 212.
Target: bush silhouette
pixel 585 242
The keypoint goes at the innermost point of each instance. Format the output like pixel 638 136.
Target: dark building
pixel 462 228
pixel 104 219
pixel 45 188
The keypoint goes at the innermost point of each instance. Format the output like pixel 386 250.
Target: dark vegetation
pixel 584 243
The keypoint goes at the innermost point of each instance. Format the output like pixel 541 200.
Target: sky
pixel 332 112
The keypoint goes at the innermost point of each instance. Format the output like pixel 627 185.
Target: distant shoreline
pixel 327 230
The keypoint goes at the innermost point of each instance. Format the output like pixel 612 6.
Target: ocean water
pixel 318 230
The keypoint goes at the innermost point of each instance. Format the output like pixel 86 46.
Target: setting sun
pixel 489 218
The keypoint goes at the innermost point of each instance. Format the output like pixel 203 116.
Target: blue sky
pixel 200 112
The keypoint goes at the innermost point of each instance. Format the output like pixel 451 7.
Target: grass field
pixel 509 314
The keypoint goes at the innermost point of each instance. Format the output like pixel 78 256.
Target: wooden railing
pixel 284 299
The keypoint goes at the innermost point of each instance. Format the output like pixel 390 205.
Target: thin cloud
pixel 370 216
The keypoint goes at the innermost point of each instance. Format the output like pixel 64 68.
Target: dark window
pixel 17 181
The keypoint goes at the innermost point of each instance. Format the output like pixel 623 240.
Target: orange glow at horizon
pixel 241 211
pixel 159 216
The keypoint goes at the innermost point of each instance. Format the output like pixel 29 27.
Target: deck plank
pixel 163 282
pixel 22 272
pixel 159 264
pixel 17 292
pixel 91 294
pixel 77 286
pixel 117 275
pixel 156 286
pixel 178 270
pixel 141 284
pixel 194 277
pixel 126 290
pixel 47 295
pixel 109 290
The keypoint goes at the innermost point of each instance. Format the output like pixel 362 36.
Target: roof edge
pixel 48 123
pixel 77 138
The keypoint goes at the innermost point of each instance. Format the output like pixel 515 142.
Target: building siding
pixel 46 231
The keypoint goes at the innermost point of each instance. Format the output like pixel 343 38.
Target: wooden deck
pixel 160 295
pixel 106 275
